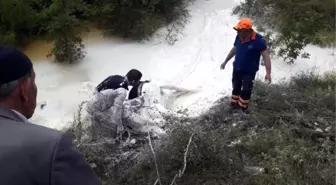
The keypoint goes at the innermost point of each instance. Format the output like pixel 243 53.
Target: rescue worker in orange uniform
pixel 248 47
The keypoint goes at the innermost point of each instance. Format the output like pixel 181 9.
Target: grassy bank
pixel 287 139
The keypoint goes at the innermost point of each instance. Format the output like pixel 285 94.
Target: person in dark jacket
pixel 117 81
pixel 31 154
pixel 136 90
pixel 109 97
pixel 248 47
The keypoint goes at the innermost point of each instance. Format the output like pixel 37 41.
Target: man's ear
pixel 24 88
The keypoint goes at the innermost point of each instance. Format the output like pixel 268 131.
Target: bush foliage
pixel 139 19
pixel 292 24
pixel 63 21
pixel 288 138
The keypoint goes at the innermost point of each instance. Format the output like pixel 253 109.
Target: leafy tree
pixel 64 29
pixel 292 24
pixel 17 20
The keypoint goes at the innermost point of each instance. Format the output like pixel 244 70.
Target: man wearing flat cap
pixel 247 49
pixel 32 154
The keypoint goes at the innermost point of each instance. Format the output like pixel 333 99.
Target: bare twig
pixel 181 171
pixel 156 166
pixel 174 179
pixel 157 180
pixel 185 157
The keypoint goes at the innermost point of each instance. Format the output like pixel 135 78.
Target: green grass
pixel 289 133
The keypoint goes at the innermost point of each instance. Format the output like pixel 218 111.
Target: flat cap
pixel 14 64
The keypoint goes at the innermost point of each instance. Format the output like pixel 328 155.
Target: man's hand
pixel 223 65
pixel 228 58
pixel 268 65
pixel 268 78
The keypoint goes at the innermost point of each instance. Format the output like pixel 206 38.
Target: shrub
pixel 18 20
pixel 63 29
pixel 139 19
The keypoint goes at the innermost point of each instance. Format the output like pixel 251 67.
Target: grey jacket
pixel 36 155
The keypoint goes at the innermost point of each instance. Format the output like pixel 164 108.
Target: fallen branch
pixel 179 89
pixel 156 166
pixel 181 172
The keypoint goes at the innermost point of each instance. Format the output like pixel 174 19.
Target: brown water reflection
pixel 37 50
